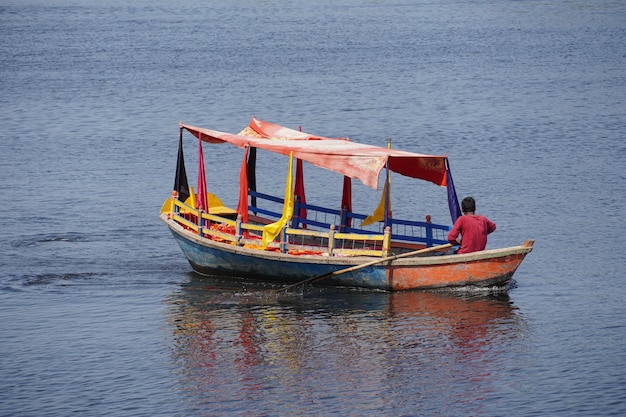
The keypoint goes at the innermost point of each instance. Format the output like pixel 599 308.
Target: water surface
pixel 101 314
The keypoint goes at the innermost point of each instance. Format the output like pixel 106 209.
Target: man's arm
pixel 454 233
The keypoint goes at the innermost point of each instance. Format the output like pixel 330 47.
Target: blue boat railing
pixel 321 231
pixel 322 218
pixel 294 241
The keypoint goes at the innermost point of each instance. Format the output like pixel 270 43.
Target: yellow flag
pixel 191 200
pixel 379 213
pixel 272 230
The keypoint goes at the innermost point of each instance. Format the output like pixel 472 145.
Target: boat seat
pixel 222 211
pixel 217 207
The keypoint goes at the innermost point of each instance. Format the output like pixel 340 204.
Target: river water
pixel 101 314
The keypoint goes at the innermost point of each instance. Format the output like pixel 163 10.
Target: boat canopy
pixel 355 160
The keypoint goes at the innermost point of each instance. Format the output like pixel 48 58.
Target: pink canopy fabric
pixel 355 160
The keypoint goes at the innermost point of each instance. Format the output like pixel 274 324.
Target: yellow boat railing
pixel 230 229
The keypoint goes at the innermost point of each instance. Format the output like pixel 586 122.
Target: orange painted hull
pixel 477 269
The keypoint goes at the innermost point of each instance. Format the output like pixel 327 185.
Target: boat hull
pixel 485 269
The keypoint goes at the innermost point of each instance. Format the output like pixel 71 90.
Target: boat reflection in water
pixel 371 349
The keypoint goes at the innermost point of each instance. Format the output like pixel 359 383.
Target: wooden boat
pixel 299 242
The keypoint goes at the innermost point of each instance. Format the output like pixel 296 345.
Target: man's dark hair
pixel 468 205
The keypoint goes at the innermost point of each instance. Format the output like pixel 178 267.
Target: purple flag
pixel 453 201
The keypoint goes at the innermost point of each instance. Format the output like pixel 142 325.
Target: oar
pixel 357 267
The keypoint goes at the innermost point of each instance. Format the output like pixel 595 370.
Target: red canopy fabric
pixel 355 160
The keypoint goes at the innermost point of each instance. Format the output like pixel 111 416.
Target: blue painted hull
pixel 214 258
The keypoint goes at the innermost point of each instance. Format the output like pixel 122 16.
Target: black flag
pixel 180 183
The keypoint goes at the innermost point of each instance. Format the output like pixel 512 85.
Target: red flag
pixel 299 189
pixel 242 206
pixel 201 201
pixel 346 199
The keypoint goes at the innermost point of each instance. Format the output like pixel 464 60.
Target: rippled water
pixel 334 352
pixel 100 313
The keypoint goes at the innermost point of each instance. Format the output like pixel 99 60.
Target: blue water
pixel 101 314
